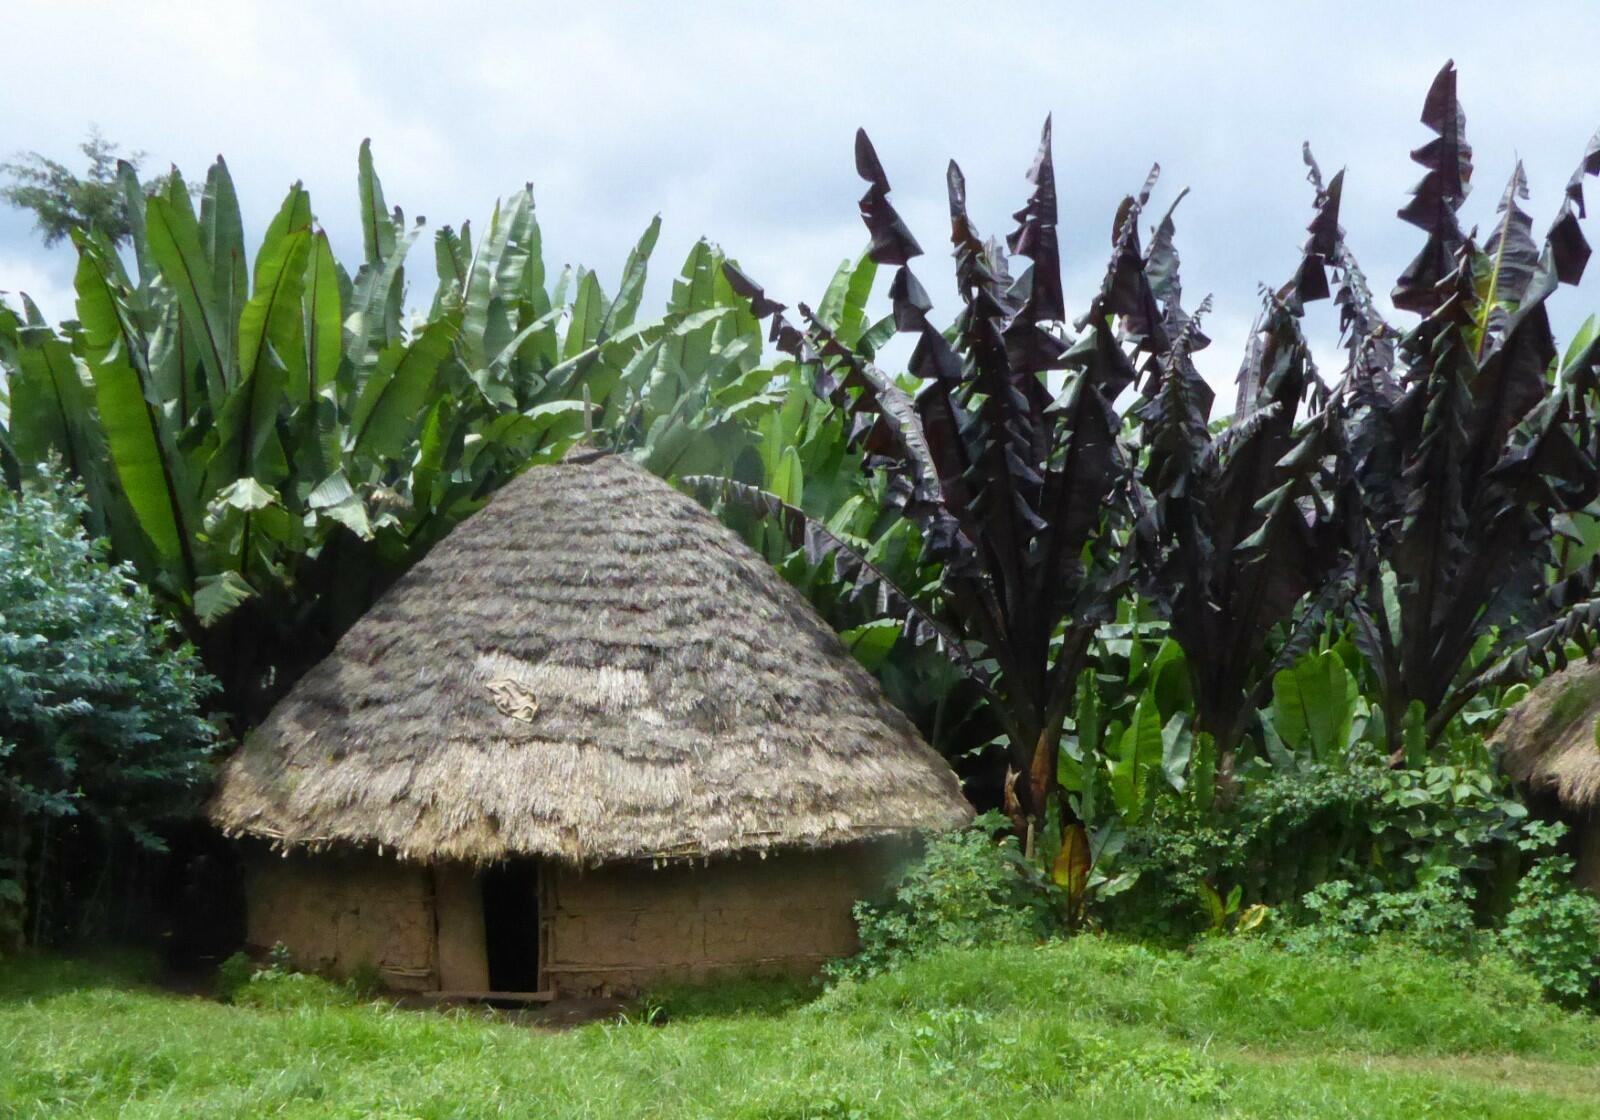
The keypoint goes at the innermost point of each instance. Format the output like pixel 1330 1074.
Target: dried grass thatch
pixel 592 668
pixel 1549 739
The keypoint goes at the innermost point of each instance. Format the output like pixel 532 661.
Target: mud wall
pixel 337 912
pixel 618 929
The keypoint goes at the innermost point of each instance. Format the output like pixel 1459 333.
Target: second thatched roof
pixel 1548 740
pixel 591 668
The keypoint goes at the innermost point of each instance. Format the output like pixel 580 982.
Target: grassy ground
pixel 1086 1028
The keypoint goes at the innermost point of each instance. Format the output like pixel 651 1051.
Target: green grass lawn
pixel 1082 1028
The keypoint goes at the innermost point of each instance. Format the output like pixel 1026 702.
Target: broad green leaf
pixel 631 288
pixel 788 482
pixel 1313 703
pixel 1251 918
pixel 481 300
pixel 588 317
pixel 694 290
pixel 1212 907
pixel 133 202
pixel 844 304
pixel 377 227
pixel 1177 746
pixel 174 238
pixel 50 406
pixel 373 322
pixel 246 495
pixel 149 473
pixel 520 277
pixel 219 596
pixel 1138 753
pixel 222 237
pixel 335 499
pixel 431 449
pixel 269 334
pixel 873 642
pixel 391 403
pixel 293 215
pixel 322 317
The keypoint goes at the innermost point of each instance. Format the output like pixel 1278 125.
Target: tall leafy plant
pixel 269 439
pixel 1002 447
pixel 1239 530
pixel 1467 452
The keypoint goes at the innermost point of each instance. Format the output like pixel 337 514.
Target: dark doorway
pixel 511 925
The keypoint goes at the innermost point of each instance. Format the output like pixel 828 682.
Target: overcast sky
pixel 735 121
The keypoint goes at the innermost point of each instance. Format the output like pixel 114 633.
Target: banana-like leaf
pixel 50 407
pixel 1136 758
pixel 1448 163
pixel 133 204
pixel 219 595
pixel 372 322
pixel 322 318
pixel 1313 705
pixel 588 317
pixel 151 472
pixel 390 407
pixel 843 308
pixel 377 229
pixel 483 302
pixel 270 334
pixel 176 248
pixel 1511 254
pixel 1569 249
pixel 222 239
pixel 631 288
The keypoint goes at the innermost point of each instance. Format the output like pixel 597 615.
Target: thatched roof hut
pixel 590 671
pixel 1550 742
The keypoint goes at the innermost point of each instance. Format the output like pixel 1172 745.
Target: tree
pixel 101 736
pixel 63 202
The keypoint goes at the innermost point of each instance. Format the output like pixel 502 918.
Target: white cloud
pixel 734 119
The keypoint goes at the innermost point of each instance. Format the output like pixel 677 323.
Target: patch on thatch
pixel 1548 740
pixel 591 668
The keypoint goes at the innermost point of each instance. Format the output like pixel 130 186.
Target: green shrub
pixel 1435 915
pixel 970 889
pixel 272 990
pixel 232 975
pixel 277 985
pixel 101 736
pixel 1553 931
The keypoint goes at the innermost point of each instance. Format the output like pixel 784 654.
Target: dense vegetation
pixel 101 739
pixel 1218 675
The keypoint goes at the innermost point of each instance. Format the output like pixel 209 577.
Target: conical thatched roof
pixel 1548 740
pixel 591 668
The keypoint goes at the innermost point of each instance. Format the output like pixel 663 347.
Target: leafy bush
pixel 101 737
pixel 1553 929
pixel 276 985
pixel 232 975
pixel 970 889
pixel 1435 915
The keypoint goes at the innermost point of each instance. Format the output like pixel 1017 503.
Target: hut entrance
pixel 511 925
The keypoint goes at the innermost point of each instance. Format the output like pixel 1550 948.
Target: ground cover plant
pixel 1085 1025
